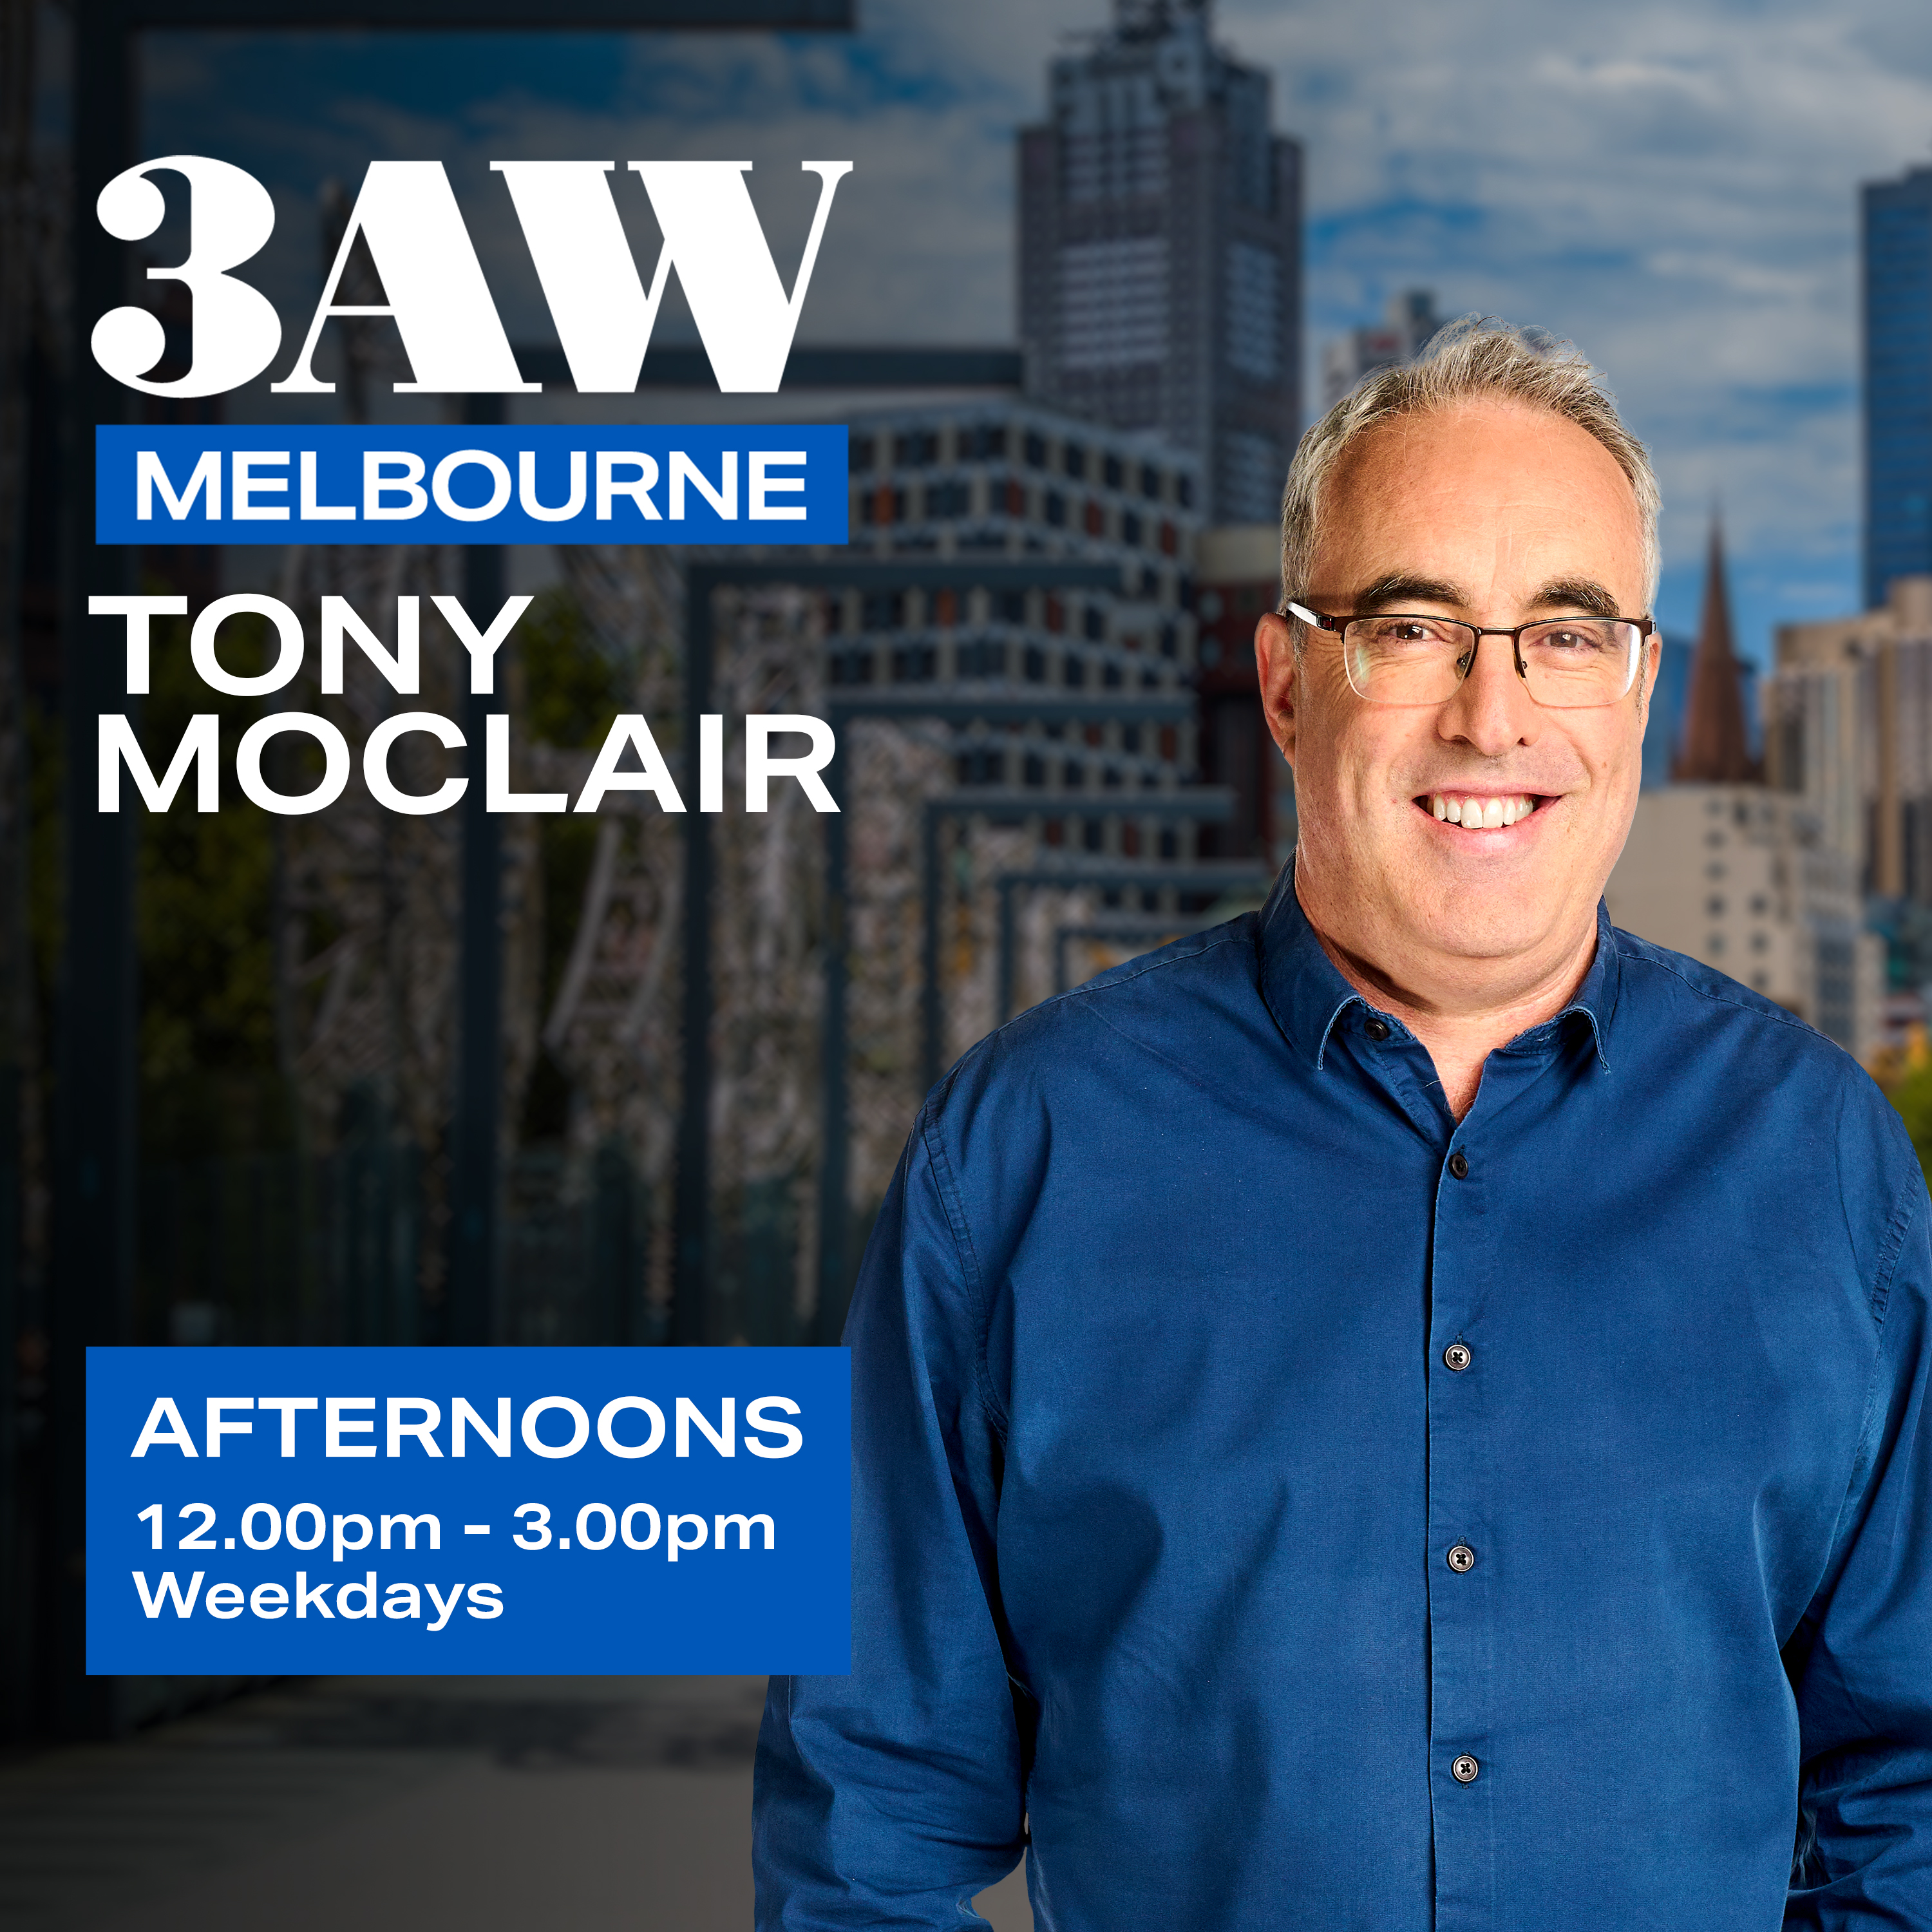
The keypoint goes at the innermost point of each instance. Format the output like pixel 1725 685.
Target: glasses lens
pixel 1576 661
pixel 1401 660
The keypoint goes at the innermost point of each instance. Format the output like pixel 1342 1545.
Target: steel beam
pixel 1203 875
pixel 691 1240
pixel 1127 929
pixel 1206 805
pixel 476 1140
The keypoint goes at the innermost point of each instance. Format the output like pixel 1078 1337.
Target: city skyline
pixel 1675 191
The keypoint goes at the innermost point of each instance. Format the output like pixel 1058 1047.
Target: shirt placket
pixel 1466 1781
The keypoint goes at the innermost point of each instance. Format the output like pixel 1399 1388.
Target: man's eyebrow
pixel 1583 594
pixel 1401 587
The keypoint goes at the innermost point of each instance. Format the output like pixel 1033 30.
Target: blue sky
pixel 1673 186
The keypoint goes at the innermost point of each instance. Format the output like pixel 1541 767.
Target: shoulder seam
pixel 1776 1014
pixel 1088 990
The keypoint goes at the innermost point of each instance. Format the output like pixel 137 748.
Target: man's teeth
pixel 1488 813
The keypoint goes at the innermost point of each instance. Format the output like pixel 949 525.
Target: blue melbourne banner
pixel 633 483
pixel 286 1511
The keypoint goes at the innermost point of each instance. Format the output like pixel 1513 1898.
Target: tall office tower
pixel 1160 252
pixel 1897 249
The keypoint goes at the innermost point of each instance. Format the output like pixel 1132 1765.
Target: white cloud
pixel 1673 186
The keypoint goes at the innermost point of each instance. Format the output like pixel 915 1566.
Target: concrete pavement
pixel 405 1804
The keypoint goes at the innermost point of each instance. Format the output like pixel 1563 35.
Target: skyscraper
pixel 1897 243
pixel 1160 251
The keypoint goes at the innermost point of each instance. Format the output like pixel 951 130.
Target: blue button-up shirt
pixel 1199 1349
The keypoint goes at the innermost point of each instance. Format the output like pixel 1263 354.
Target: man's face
pixel 1495 514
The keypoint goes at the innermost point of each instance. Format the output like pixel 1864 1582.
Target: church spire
pixel 1715 747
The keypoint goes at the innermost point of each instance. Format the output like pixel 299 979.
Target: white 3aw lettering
pixel 407 217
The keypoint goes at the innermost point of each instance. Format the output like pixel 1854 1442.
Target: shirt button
pixel 1456 1356
pixel 1462 1558
pixel 1464 1769
pixel 1375 1027
pixel 1459 1165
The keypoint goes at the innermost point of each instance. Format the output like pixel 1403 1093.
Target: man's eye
pixel 1405 631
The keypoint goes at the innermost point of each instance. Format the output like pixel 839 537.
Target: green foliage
pixel 572 690
pixel 1911 1093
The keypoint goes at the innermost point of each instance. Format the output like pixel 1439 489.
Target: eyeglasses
pixel 1567 663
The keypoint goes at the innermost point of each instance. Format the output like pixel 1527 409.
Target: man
pixel 1409 1408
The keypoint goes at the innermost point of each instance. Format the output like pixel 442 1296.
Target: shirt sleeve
pixel 1860 1663
pixel 890 1798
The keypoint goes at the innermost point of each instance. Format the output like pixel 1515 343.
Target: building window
pixel 884 610
pixel 862 454
pixel 1760 942
pixel 915 663
pixel 1094 623
pixel 1113 303
pixel 1035 450
pixel 1073 460
pixel 1183 491
pixel 1076 671
pixel 1034 667
pixel 849 666
pixel 915 448
pixel 1012 607
pixel 984 442
pixel 1715 908
pixel 983 657
pixel 1111 471
pixel 1035 768
pixel 950 499
pixel 1130 527
pixel 1094 518
pixel 1251 473
pixel 1056 509
pixel 1254 311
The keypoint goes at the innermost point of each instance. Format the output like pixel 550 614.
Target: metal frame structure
pixel 1143 928
pixel 95 1144
pixel 1203 805
pixel 1206 877
pixel 692 1230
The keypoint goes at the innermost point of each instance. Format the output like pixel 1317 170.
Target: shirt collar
pixel 1309 998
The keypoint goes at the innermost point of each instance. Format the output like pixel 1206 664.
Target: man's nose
pixel 1491 710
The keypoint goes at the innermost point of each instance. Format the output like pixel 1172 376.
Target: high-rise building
pixel 1897 251
pixel 1160 251
pixel 1746 878
pixel 1410 325
pixel 1848 726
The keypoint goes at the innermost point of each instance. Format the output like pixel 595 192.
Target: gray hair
pixel 1477 356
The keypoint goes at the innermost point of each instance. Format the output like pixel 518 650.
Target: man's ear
pixel 1275 659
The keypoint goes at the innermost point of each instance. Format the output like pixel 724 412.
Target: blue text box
pixel 267 483
pixel 569 1521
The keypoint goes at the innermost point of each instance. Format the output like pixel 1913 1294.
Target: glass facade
pixel 1898 258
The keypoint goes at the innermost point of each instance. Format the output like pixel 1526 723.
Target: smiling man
pixel 1409 1409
